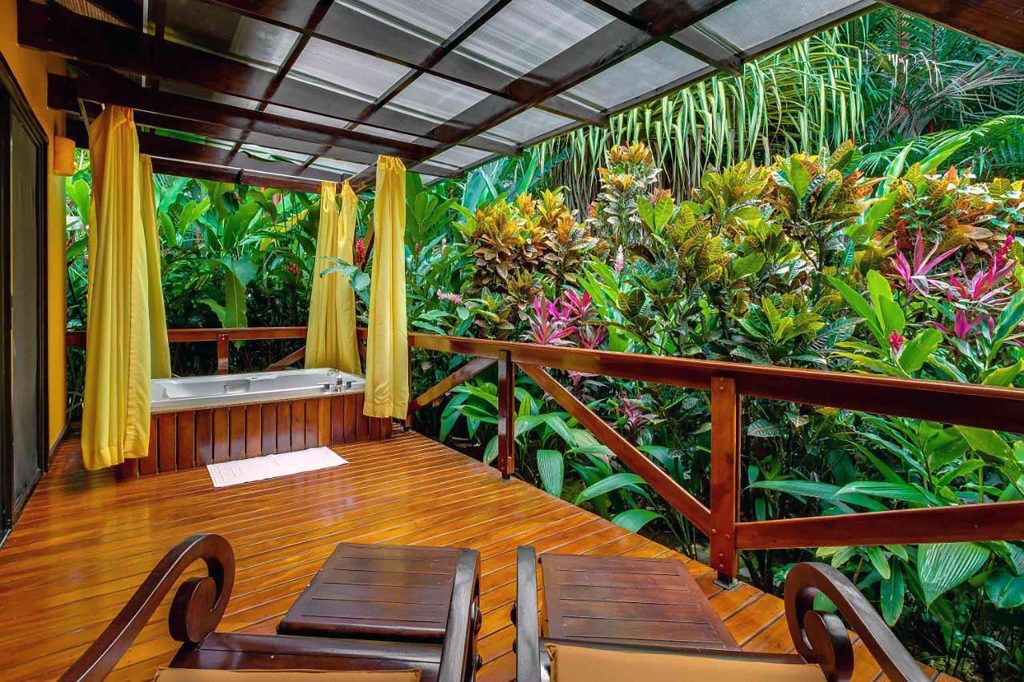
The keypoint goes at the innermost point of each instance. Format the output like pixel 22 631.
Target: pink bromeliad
pixel 915 274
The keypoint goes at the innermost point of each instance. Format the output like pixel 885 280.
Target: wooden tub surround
pixel 188 439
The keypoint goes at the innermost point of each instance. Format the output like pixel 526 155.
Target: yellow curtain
pixel 118 358
pixel 161 352
pixel 331 330
pixel 387 347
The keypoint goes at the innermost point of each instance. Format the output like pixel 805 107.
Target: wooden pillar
pixel 726 425
pixel 506 415
pixel 222 353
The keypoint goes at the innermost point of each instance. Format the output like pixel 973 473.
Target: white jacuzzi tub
pixel 169 395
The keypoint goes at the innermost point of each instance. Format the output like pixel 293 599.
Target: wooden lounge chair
pixel 621 647
pixel 200 602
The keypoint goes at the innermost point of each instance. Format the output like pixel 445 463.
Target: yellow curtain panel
pixel 387 346
pixel 161 352
pixel 118 354
pixel 331 330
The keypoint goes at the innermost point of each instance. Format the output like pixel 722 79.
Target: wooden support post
pixel 726 425
pixel 506 415
pixel 223 347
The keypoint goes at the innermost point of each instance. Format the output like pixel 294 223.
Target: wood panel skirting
pixel 194 438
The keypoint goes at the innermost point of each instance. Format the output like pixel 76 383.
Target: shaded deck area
pixel 85 542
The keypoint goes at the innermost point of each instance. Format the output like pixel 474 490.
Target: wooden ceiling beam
pixel 730 63
pixel 203 171
pixel 124 10
pixel 602 49
pixel 55 29
pixel 997 21
pixel 172 148
pixel 363 33
pixel 110 89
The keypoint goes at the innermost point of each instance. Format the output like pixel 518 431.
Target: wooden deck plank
pixel 85 542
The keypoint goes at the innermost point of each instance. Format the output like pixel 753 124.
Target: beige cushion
pixel 581 664
pixel 190 675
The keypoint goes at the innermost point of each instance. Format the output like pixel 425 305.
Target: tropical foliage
pixel 852 203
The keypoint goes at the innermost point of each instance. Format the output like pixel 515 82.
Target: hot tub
pixel 169 395
pixel 204 420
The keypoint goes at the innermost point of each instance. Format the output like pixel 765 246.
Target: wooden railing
pixel 962 404
pixel 966 405
pixel 223 339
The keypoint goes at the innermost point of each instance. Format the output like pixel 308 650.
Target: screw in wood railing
pixel 506 415
pixel 726 427
pixel 223 347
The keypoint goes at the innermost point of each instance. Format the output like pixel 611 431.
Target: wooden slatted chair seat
pixel 200 602
pixel 632 645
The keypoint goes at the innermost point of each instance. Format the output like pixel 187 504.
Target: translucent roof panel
pixel 645 72
pixel 460 157
pixel 528 125
pixel 217 29
pixel 748 24
pixel 274 154
pixel 382 132
pixel 436 98
pixel 434 20
pixel 336 166
pixel 202 93
pixel 558 64
pixel 340 69
pixel 528 33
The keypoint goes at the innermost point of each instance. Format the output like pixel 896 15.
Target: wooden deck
pixel 85 542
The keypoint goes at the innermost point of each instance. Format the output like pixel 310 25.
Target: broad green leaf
pixel 919 349
pixel 610 484
pixel 551 466
pixel 861 307
pixel 1005 589
pixel 941 567
pixel 893 592
pixel 747 265
pixel 635 519
pixel 880 562
pixel 900 492
pixel 987 442
pixel 1004 376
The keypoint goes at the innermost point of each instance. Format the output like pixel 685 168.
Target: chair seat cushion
pixel 584 664
pixel 193 675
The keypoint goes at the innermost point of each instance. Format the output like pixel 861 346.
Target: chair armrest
pixel 525 617
pixel 458 655
pixel 822 638
pixel 196 610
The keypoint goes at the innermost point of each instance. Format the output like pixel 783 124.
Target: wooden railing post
pixel 506 415
pixel 223 347
pixel 726 424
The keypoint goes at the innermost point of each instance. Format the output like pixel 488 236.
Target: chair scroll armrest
pixel 525 617
pixel 196 610
pixel 458 655
pixel 822 638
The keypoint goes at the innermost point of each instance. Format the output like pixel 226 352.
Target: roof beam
pixel 363 33
pixel 160 146
pixel 64 93
pixel 728 63
pixel 996 21
pixel 53 28
pixel 600 50
pixel 190 169
pixel 123 10
pixel 282 72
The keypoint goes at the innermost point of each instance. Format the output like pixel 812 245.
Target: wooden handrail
pixel 988 407
pixel 962 404
pixel 223 337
